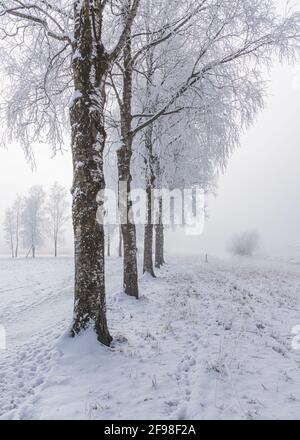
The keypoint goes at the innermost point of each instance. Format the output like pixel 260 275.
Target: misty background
pixel 260 189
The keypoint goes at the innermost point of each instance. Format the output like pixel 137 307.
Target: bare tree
pixel 12 226
pixel 244 244
pixel 159 238
pixel 33 218
pixel 17 210
pixel 68 42
pixel 91 64
pixel 173 20
pixel 120 245
pixel 57 213
pixel 9 229
pixel 220 58
pixel 109 230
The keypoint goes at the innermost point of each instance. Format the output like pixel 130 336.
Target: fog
pixel 260 189
pixel 17 176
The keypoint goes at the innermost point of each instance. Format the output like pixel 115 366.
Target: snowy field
pixel 205 341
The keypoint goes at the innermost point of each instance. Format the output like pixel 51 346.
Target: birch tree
pixel 9 229
pixel 168 19
pixel 120 243
pixel 206 46
pixel 11 225
pixel 57 214
pixel 64 47
pixel 33 219
pixel 17 210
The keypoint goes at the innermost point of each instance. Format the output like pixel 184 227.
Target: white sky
pixel 260 189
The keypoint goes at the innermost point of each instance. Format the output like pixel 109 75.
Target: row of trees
pixel 31 217
pixel 163 87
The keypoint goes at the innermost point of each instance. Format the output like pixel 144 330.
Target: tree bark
pixel 12 245
pixel 130 271
pixel 55 247
pixel 108 243
pixel 12 250
pixel 120 242
pixel 148 237
pixel 124 154
pixel 17 236
pixel 10 230
pixel 150 180
pixel 159 239
pixel 33 251
pixel 88 140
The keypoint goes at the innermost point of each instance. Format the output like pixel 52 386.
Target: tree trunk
pixel 88 140
pixel 130 271
pixel 108 244
pixel 159 239
pixel 33 251
pixel 124 154
pixel 55 247
pixel 17 237
pixel 120 242
pixel 148 237
pixel 150 164
pixel 12 246
pixel 150 180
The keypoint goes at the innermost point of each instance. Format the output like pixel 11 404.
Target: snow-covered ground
pixel 204 341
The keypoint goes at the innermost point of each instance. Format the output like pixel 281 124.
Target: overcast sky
pixel 260 189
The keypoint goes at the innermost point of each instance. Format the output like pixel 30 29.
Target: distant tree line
pixel 33 217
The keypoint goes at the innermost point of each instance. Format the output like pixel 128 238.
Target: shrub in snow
pixel 244 244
